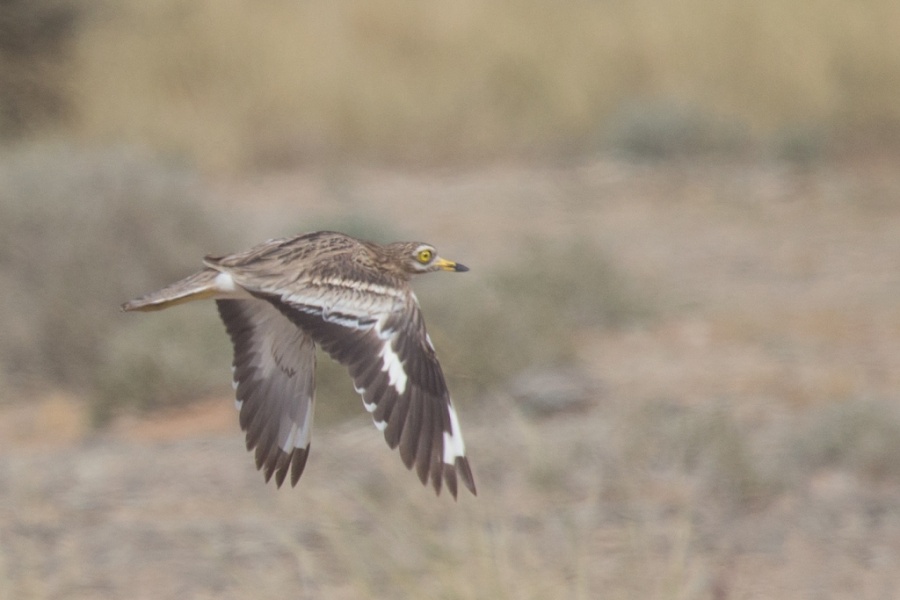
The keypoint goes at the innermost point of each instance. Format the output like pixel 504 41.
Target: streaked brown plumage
pixel 351 297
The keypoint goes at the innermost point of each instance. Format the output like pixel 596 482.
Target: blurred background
pixel 676 357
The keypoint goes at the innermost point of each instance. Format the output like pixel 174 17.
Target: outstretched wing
pixel 380 336
pixel 274 380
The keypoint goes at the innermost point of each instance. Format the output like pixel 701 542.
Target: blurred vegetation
pixel 528 313
pixel 665 129
pixel 860 436
pixel 244 85
pixel 80 232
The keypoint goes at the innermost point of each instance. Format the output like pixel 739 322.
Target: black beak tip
pixel 460 268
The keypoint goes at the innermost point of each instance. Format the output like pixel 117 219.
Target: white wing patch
pixel 393 366
pixel 362 287
pixel 344 302
pixel 454 447
pixel 238 403
pixel 370 408
pixel 225 283
pixel 298 437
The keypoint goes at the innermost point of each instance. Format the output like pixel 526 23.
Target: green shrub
pixel 667 129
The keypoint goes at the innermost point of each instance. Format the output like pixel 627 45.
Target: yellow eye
pixel 425 256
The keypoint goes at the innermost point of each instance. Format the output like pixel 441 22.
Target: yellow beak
pixel 449 265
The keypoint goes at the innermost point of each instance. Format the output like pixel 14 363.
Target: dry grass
pixel 243 84
pixel 570 507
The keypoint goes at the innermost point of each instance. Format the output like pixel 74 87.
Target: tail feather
pixel 198 286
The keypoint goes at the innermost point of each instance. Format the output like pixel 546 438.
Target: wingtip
pixel 450 474
pixel 299 464
pixel 465 474
pixel 450 479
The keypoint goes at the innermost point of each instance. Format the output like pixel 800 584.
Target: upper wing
pixel 380 336
pixel 274 380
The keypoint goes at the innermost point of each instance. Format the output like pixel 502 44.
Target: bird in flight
pixel 352 298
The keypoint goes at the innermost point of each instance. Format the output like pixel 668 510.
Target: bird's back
pixel 319 258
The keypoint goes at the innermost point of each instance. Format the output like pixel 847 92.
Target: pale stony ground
pixel 743 441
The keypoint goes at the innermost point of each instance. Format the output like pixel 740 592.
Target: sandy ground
pixel 775 292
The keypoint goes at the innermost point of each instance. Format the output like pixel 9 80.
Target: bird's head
pixel 414 258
